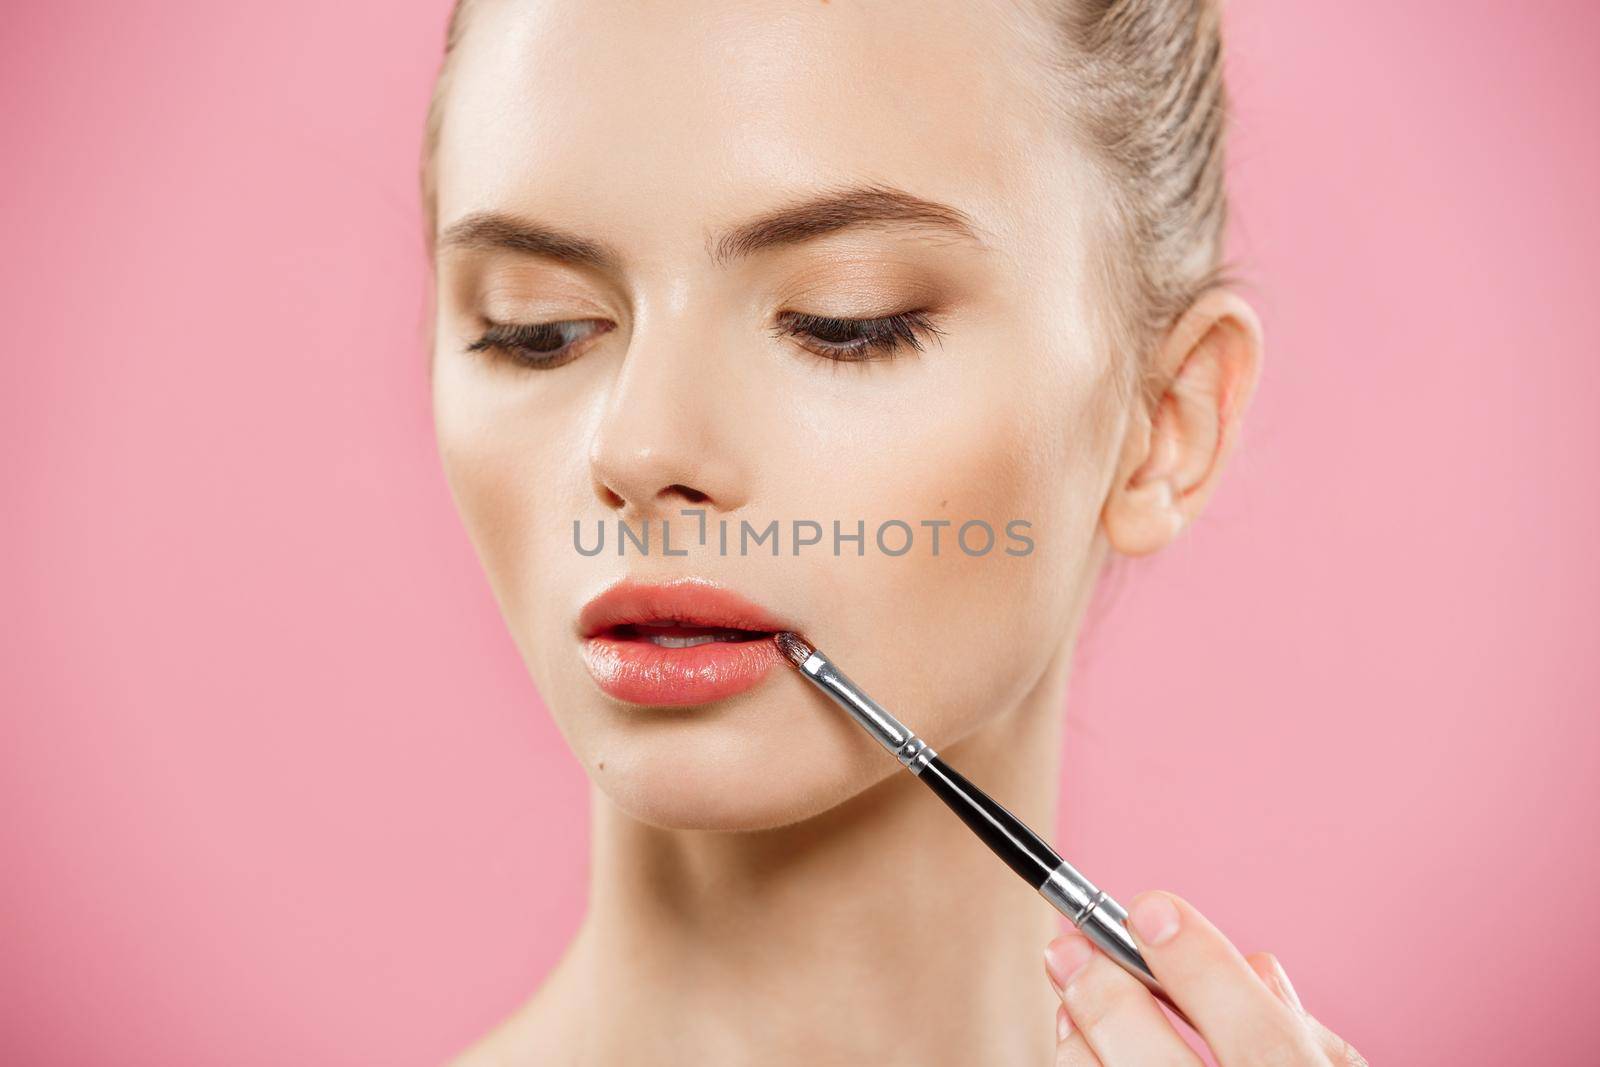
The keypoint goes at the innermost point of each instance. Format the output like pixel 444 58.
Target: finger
pixel 1071 1049
pixel 1243 1020
pixel 1270 971
pixel 1120 1021
pixel 1337 1049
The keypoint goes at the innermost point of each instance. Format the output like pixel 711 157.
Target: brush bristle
pixel 793 646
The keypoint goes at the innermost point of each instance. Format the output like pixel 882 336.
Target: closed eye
pixel 539 345
pixel 546 345
pixel 858 340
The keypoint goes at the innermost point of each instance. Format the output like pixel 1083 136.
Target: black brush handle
pixel 1100 918
pixel 1023 850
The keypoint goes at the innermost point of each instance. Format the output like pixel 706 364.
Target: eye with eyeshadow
pixel 539 345
pixel 547 345
pixel 858 340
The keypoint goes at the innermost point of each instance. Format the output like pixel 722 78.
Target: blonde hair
pixel 1142 81
pixel 453 31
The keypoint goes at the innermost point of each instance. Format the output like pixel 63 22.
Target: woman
pixel 837 278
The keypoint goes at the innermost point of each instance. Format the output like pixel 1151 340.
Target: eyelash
pixel 864 340
pixel 840 340
pixel 519 342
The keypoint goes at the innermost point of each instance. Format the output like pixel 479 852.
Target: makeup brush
pixel 1101 919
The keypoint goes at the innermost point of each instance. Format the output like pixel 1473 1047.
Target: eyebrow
pixel 804 220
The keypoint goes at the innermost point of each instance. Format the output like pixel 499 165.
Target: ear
pixel 1172 456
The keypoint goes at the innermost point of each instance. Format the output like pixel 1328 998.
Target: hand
pixel 1245 1008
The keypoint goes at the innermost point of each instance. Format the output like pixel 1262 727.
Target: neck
pixel 879 931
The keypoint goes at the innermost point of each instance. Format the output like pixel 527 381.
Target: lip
pixel 634 670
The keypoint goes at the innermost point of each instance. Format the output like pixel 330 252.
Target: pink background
pixel 275 788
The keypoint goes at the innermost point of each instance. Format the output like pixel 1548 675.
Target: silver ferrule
pixel 1101 919
pixel 889 731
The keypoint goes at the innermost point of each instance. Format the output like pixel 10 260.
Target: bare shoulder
pixel 544 1030
pixel 510 1044
pixel 529 1036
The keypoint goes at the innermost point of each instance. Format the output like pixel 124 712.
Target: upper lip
pixel 689 601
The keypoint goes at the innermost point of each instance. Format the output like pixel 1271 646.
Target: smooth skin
pixel 765 884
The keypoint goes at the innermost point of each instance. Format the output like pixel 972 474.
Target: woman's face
pixel 671 187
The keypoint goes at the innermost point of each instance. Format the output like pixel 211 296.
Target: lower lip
pixel 640 672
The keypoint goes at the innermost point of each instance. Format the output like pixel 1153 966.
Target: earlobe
pixel 1143 514
pixel 1173 456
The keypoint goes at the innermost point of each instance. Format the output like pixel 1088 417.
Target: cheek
pixel 1000 455
pixel 506 457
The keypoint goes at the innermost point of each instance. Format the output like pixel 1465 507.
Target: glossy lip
pixel 639 672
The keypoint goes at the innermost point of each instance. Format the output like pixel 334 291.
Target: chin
pixel 735 766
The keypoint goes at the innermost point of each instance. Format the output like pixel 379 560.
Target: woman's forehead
pixel 725 102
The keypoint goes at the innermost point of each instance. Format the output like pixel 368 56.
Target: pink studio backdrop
pixel 275 788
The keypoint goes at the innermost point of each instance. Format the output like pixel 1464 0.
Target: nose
pixel 667 439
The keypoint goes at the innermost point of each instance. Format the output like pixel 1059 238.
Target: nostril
pixel 692 495
pixel 618 498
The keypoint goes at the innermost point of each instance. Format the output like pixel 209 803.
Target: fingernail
pixel 1154 918
pixel 1288 986
pixel 1063 1023
pixel 1065 957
